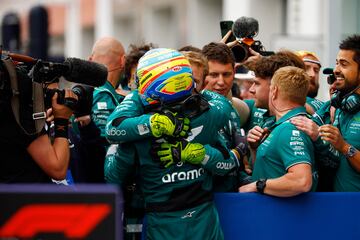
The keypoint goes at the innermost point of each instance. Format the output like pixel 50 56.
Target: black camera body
pixel 245 29
pixel 81 107
pixel 43 73
pixel 241 49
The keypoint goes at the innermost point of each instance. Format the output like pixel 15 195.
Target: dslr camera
pixel 244 30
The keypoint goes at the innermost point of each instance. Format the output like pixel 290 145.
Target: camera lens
pixel 240 52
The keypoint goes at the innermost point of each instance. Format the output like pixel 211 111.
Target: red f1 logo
pixel 74 220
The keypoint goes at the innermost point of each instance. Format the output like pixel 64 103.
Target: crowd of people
pixel 172 127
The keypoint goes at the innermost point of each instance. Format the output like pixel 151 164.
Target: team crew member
pixel 283 169
pixel 327 157
pixel 109 52
pixel 343 135
pixel 177 176
pixel 312 67
pixel 220 79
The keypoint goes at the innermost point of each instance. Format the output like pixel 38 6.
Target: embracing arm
pixel 120 164
pixel 297 180
pixel 129 123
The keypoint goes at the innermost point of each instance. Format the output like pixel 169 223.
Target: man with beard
pixel 340 136
pixel 343 134
pixel 312 67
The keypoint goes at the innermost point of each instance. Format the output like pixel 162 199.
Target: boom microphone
pixel 72 69
pixel 85 72
pixel 245 27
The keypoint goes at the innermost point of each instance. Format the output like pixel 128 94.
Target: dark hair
pixel 267 66
pixel 219 52
pixel 132 58
pixel 295 60
pixel 352 43
pixel 189 48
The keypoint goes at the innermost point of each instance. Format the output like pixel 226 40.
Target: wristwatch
pixel 350 152
pixel 260 185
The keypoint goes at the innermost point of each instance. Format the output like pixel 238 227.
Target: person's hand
pixel 241 147
pixel 252 59
pixel 184 151
pixel 306 125
pixel 251 187
pixel 225 38
pixel 332 135
pixel 169 124
pixel 247 167
pixel 255 136
pixel 60 110
pixel 83 120
pixel 49 115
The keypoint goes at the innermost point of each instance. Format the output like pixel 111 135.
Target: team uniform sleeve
pixel 119 164
pixel 220 107
pixel 219 160
pixel 103 106
pixel 128 122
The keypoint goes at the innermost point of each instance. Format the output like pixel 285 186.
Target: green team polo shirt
pixel 105 100
pixel 257 115
pixel 316 104
pixel 286 146
pixel 260 117
pixel 347 179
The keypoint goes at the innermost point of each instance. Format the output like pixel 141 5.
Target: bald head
pixel 111 53
pixel 107 51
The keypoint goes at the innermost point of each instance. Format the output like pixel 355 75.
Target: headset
pixel 349 102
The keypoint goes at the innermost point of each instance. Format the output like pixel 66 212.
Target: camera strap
pixel 15 102
pixel 39 114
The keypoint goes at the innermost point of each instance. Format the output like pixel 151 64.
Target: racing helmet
pixel 163 76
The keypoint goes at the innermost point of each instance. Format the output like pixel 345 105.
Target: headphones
pixel 349 102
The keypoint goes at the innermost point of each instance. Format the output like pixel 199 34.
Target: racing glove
pixel 241 146
pixel 169 124
pixel 184 151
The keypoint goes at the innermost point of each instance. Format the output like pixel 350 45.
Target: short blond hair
pixel 197 59
pixel 292 82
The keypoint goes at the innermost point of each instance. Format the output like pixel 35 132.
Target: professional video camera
pixel 24 84
pixel 74 70
pixel 245 29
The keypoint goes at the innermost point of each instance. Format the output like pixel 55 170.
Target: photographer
pixel 32 158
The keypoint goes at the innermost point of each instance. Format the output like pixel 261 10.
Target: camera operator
pixel 33 158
